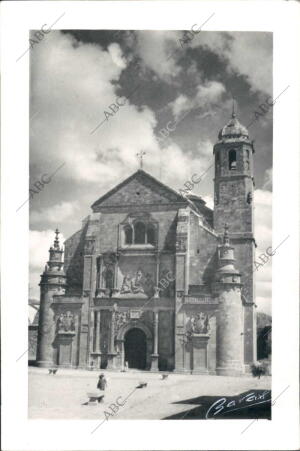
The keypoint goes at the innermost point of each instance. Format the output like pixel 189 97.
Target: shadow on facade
pixel 74 266
pixel 204 403
pixel 264 343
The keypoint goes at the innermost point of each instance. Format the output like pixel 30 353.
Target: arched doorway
pixel 136 348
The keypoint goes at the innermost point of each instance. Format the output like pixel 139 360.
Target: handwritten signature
pixel 226 405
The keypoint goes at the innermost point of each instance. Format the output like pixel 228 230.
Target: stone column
pixel 155 355
pixel 91 288
pixel 46 332
pixel 112 332
pixel 100 282
pixel 112 354
pixel 230 327
pixel 157 268
pixel 116 271
pixel 230 333
pixel 98 346
pixel 97 331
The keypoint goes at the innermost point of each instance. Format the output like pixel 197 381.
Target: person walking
pixel 102 382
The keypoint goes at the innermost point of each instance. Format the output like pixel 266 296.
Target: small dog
pixel 53 370
pixel 164 376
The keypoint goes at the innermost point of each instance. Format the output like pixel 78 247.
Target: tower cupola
pixel 233 130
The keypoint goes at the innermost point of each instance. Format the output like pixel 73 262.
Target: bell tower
pixel 233 205
pixel 234 180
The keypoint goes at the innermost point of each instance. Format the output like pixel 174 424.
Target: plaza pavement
pixel 64 395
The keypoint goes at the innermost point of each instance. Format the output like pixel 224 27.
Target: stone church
pixel 156 280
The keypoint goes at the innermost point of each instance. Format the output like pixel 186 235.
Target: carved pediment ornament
pixel 198 324
pixel 65 322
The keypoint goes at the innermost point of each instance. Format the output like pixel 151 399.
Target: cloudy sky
pixel 76 76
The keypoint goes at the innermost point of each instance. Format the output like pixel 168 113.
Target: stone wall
pixel 244 252
pixel 73 261
pixel 166 340
pixel 110 222
pixel 32 342
pixel 203 261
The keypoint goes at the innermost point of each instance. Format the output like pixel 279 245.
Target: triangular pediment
pixel 139 189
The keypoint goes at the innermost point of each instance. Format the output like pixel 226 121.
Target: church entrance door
pixel 135 348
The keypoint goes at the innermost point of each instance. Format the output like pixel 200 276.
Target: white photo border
pixel 19 433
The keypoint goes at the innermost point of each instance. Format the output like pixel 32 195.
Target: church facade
pixel 156 280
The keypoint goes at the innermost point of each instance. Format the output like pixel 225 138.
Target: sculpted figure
pixel 69 322
pixel 136 283
pixel 60 323
pixel 201 323
pixel 126 285
pixel 65 322
pixel 198 324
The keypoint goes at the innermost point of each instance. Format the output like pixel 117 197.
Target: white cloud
pixel 268 180
pixel 34 280
pixel 116 55
pixel 209 201
pixel 74 83
pixel 263 234
pixel 210 92
pixel 57 213
pixel 264 305
pixel 248 54
pixel 72 87
pixel 205 149
pixel 31 313
pixel 39 244
pixel 207 95
pixel 180 104
pixel 255 62
pixel 175 167
pixel 158 51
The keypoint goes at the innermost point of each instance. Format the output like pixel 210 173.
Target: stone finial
pixel 233 109
pixel 56 241
pixel 226 236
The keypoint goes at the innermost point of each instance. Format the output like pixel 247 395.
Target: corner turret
pixel 230 327
pixel 53 283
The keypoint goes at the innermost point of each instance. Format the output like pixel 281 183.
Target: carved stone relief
pixel 198 324
pixel 65 322
pixel 140 285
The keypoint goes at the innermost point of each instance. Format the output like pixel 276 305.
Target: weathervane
pixel 140 155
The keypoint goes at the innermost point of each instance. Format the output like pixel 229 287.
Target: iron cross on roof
pixel 140 155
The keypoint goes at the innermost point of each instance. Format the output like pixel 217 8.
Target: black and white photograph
pixel 151 171
pixel 150 224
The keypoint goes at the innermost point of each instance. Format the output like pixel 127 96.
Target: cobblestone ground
pixel 64 395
